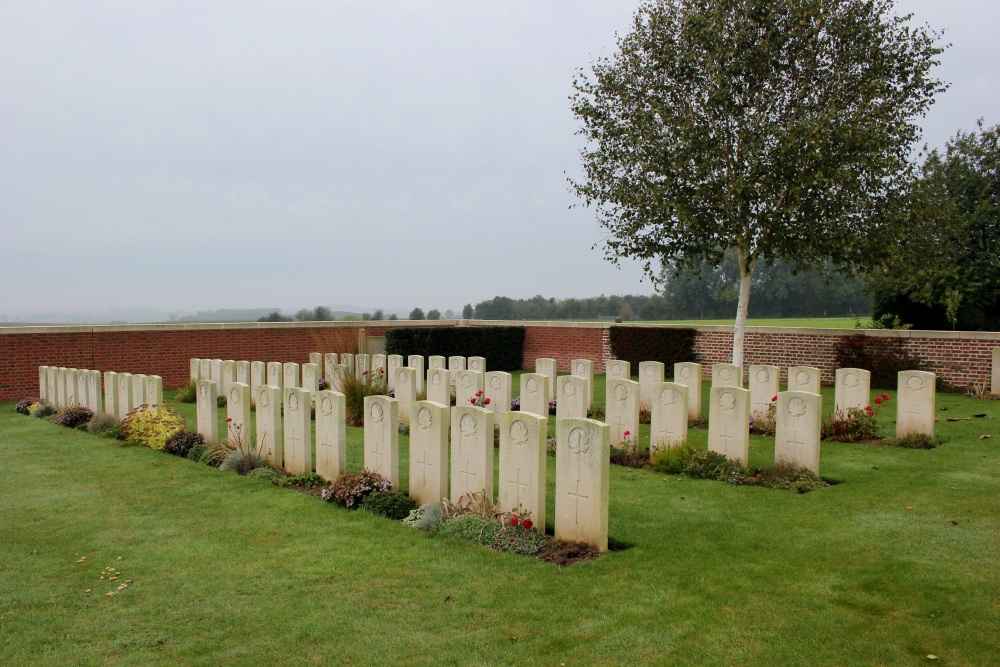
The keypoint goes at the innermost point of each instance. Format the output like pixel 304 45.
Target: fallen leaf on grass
pixel 83 558
pixel 954 419
pixel 985 436
pixel 110 593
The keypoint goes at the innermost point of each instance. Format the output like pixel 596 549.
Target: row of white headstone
pixel 117 395
pixel 582 458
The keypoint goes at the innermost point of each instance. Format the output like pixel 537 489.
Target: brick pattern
pixel 961 359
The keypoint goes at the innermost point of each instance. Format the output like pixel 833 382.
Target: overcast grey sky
pixel 231 154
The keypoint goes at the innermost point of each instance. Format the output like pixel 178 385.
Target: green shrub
pixel 306 480
pixel 883 357
pixel 25 406
pixel 671 459
pixel 914 441
pixel 266 473
pixel 766 423
pixel 394 505
pixel 101 422
pixel 73 416
pixel 350 490
pixel 786 476
pixel 188 393
pixel 426 517
pixel 471 528
pixel 518 540
pixel 849 425
pixel 667 345
pixel 198 453
pixel 143 426
pixel 180 443
pixel 355 390
pixel 44 410
pixel 712 465
pixel 243 461
pixel 501 346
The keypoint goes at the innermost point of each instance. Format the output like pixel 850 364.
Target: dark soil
pixel 566 553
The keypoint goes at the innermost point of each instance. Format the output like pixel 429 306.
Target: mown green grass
pixel 898 562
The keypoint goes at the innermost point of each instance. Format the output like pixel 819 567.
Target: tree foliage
pixel 776 128
pixel 417 314
pixel 946 272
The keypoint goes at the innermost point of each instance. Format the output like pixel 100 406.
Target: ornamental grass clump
pixel 350 489
pixel 73 417
pixel 356 389
pixel 237 453
pixel 188 393
pixel 151 428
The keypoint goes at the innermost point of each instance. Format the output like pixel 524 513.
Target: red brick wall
pixel 165 350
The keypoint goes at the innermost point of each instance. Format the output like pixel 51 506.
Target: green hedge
pixel 502 347
pixel 636 344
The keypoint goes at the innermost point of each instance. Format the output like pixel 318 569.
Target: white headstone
pixel 689 374
pixel 70 376
pixel 194 372
pixel 347 361
pixel 382 437
pixel 416 362
pixel 51 383
pixel 668 424
pixel 42 383
pixel 437 361
pixel 331 434
pixel 94 392
pixel 456 364
pixel 535 394
pixel 207 408
pixel 216 373
pixel 584 368
pixel 571 397
pixel 523 471
pixel 379 365
pixel 852 389
pixel 316 358
pixel 547 367
pixel 764 385
pixel 439 386
pixel 298 431
pixel 204 369
pixel 61 387
pixel 616 369
pixel 124 394
pixel 289 376
pixel 275 374
pixel 228 375
pixel 477 364
pixel 498 391
pixel 797 429
pixel 405 384
pixel 650 372
pixel 243 372
pixel 622 411
pixel 467 384
pixel 310 378
pixel 583 452
pixel 258 377
pixel 336 378
pixel 330 359
pixel 362 365
pixel 915 401
pixel 727 375
pixel 154 391
pixel 995 373
pixel 238 409
pixel 111 393
pixel 393 363
pixel 804 378
pixel 729 423
pixel 82 388
pixel 471 450
pixel 138 390
pixel 429 452
pixel 268 400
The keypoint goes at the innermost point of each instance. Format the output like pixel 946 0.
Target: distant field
pixel 805 322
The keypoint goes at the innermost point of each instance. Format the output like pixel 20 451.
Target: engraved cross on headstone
pixel 518 486
pixel 577 497
pixel 424 465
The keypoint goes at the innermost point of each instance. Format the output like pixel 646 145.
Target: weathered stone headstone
pixel 437 361
pixel 275 374
pixel 764 385
pixel 668 424
pixel 111 393
pixel 915 400
pixel 52 382
pixel 42 388
pixel 258 377
pixel 154 391
pixel 689 374
pixel 379 365
pixel 362 366
pixel 995 374
pixel 82 390
pixel 467 383
pixel 70 377
pixel 61 387
pixel 330 359
pixel 289 377
pixel 571 397
pixel 729 423
pixel 336 378
pixel 852 389
pixel 268 400
pixel 498 390
pixel 205 369
pixel 650 372
pixel 523 472
pixel 138 390
pixel 547 367
pixel 622 411
pixel 393 363
pixel 310 378
pixel 405 384
pixel 194 372
pixel 416 362
pixel 243 372
pixel 616 369
pixel 347 361
pixel 228 375
pixel 584 368
pixel 331 434
pixel 471 450
pixel 535 394
pixel 456 364
pixel 216 373
pixel 382 437
pixel 727 375
pixel 124 394
pixel 298 431
pixel 316 358
pixel 206 406
pixel 804 378
pixel 477 364
pixel 94 392
pixel 439 388
pixel 238 409
pixel 429 452
pixel 797 429
pixel 583 451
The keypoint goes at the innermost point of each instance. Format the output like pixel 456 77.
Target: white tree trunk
pixel 739 331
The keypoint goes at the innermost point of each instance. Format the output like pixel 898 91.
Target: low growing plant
pixel 26 405
pixel 629 454
pixel 268 474
pixel 306 480
pixel 350 489
pixel 426 517
pixel 102 422
pixel 765 423
pixel 151 428
pixel 914 441
pixel 392 504
pixel 671 459
pixel 188 393
pixel 73 417
pixel 181 443
pixel 44 410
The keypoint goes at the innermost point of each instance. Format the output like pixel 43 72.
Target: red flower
pixel 513 519
pixel 627 434
pixel 364 374
pixel 486 402
pixel 774 398
pixel 885 397
pixel 229 419
pixel 878 401
pixel 868 408
pixel 527 524
pixel 472 400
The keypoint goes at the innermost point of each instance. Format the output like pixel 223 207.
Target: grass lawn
pixel 898 562
pixel 804 322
